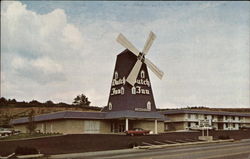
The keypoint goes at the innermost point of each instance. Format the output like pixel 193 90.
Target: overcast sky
pixel 57 50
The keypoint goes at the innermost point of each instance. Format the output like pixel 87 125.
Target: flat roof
pixel 92 115
pixel 134 114
pixel 186 111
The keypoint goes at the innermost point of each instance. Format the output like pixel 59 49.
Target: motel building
pixel 72 122
pixel 217 120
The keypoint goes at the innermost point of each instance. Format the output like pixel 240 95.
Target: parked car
pixel 137 131
pixel 5 132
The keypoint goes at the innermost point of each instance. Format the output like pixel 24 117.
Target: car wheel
pixel 132 134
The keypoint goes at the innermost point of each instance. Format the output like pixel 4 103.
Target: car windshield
pixel 137 129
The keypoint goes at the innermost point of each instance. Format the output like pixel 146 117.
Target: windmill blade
pixel 149 42
pixel 124 42
pixel 131 79
pixel 154 68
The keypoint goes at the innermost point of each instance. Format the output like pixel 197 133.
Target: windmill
pixel 131 79
pixel 131 88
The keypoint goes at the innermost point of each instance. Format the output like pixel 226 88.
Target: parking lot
pixel 77 143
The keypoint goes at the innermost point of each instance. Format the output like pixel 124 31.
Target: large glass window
pixel 91 126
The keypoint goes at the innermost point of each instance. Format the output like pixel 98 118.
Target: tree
pixel 31 124
pixel 12 101
pixel 49 103
pixel 81 100
pixel 3 101
pixel 35 102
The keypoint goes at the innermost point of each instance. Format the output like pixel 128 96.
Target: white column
pixel 126 127
pixel 156 131
pixel 51 128
pixel 42 128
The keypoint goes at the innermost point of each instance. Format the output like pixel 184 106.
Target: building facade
pixel 191 120
pixel 69 122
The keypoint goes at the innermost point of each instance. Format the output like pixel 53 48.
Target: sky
pixel 57 50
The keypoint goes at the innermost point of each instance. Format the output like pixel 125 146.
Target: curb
pixel 88 154
pixel 181 144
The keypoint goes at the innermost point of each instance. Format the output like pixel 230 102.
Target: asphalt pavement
pixel 228 150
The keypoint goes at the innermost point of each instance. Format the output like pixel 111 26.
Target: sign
pixel 205 123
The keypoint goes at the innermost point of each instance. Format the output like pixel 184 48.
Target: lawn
pixel 26 136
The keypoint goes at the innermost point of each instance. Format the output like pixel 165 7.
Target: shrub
pixel 224 137
pixel 132 144
pixel 26 150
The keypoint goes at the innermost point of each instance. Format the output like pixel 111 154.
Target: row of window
pixel 226 125
pixel 212 117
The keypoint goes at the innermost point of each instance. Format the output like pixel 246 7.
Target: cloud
pixel 33 49
pixel 202 47
pixel 35 44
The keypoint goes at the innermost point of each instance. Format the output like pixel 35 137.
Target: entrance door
pixel 121 128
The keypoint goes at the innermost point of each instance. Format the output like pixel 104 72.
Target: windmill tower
pixel 131 87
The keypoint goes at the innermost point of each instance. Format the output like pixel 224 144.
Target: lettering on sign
pixel 117 91
pixel 140 90
pixel 205 123
pixel 134 90
pixel 120 81
pixel 143 82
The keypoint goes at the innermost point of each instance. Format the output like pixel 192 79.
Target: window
pixel 189 125
pixel 149 105
pixel 233 117
pixel 91 126
pixel 116 75
pixel 110 106
pixel 142 74
pixel 133 90
pixel 189 116
pixel 122 90
pixel 226 125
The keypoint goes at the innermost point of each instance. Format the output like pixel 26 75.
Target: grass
pixel 27 135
